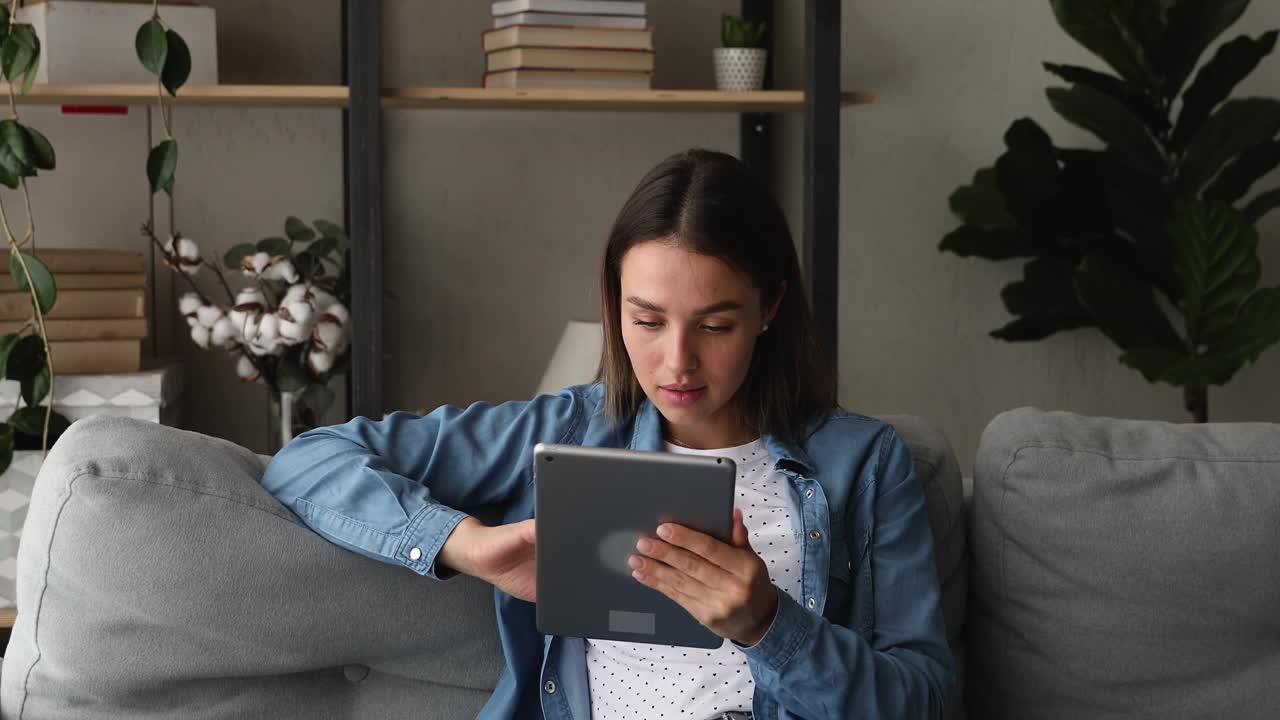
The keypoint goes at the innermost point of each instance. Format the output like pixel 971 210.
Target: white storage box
pixel 82 41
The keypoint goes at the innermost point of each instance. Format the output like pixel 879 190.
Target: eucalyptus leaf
pixel 42 149
pixel 30 78
pixel 298 230
pixel 161 165
pixel 152 46
pixel 1112 122
pixel 46 288
pixel 234 259
pixel 1213 84
pixel 323 247
pixel 273 246
pixel 26 358
pixel 36 388
pixel 7 342
pixel 177 63
pixel 333 230
pixel 18 143
pixel 18 52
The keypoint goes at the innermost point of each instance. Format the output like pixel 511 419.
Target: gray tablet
pixel 592 504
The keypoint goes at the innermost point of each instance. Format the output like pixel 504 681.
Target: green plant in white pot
pixel 740 61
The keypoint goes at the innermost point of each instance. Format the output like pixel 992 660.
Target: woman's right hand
pixel 503 555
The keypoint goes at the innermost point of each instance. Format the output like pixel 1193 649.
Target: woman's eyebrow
pixel 722 306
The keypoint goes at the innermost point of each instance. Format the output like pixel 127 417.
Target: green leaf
pixel 1114 30
pixel 1261 205
pixel 1216 252
pixel 177 64
pixel 1038 327
pixel 16 153
pixel 275 246
pixel 1236 127
pixel 1213 84
pixel 19 52
pixel 7 178
pixel 26 359
pixel 1236 179
pixel 1123 306
pixel 328 229
pixel 308 267
pixel 1046 290
pixel 46 289
pixel 6 446
pixel 1112 122
pixel 36 388
pixel 161 164
pixel 298 230
pixel 1131 97
pixel 1027 173
pixel 317 397
pixel 1193 25
pixel 30 421
pixel 6 346
pixel 42 149
pixel 989 243
pixel 234 258
pixel 980 203
pixel 323 247
pixel 32 71
pixel 152 46
pixel 290 376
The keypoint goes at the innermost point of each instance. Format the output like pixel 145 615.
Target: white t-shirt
pixel 638 680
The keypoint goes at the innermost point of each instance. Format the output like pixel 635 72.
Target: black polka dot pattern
pixel 636 680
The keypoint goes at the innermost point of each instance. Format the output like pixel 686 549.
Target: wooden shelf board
pixel 463 98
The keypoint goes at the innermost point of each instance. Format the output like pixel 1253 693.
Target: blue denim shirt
pixel 864 641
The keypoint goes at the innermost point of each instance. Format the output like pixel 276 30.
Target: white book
pixel 569 19
pixel 584 7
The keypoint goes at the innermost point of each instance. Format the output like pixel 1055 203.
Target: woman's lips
pixel 683 397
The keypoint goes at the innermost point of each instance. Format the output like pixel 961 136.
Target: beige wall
pixel 495 221
pixel 914 322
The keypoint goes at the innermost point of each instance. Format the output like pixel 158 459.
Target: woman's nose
pixel 681 354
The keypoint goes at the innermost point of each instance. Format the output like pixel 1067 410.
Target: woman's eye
pixel 717 328
pixel 645 324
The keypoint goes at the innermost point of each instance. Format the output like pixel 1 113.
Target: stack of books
pixel 99 319
pixel 569 44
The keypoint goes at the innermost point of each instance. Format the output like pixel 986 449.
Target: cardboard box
pixel 86 41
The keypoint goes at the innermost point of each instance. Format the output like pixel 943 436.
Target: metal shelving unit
pixel 365 100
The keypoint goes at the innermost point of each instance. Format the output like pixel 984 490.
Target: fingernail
pixel 637 575
pixel 635 562
pixel 643 545
pixel 664 531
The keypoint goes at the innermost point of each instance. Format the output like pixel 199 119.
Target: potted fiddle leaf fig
pixel 1151 238
pixel 740 61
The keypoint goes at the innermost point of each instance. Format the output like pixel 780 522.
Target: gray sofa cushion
pixel 156 578
pixel 1124 569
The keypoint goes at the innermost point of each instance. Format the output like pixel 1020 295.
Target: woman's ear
pixel 772 310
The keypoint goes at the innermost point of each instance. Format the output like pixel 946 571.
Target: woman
pixel 827 596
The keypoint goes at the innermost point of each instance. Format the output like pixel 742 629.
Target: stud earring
pixel 763 329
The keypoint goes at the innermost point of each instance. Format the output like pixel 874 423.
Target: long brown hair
pixel 711 204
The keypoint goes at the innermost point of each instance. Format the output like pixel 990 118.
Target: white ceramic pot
pixel 739 68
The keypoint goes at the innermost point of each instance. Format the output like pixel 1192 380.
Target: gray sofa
pixel 1101 569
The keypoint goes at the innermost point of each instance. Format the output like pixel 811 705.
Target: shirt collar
pixel 646 435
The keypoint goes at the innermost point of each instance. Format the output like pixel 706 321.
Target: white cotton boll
pixel 268 330
pixel 223 332
pixel 328 335
pixel 281 270
pixel 260 262
pixel 189 303
pixel 319 362
pixel 187 249
pixel 338 312
pixel 192 321
pixel 245 369
pixel 200 336
pixel 208 315
pixel 250 296
pixel 295 321
pixel 295 293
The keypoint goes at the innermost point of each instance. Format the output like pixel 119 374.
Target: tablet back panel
pixel 592 504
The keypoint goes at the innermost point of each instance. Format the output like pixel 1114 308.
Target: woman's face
pixel 690 323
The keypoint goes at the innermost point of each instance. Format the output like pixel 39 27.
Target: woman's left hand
pixel 725 587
